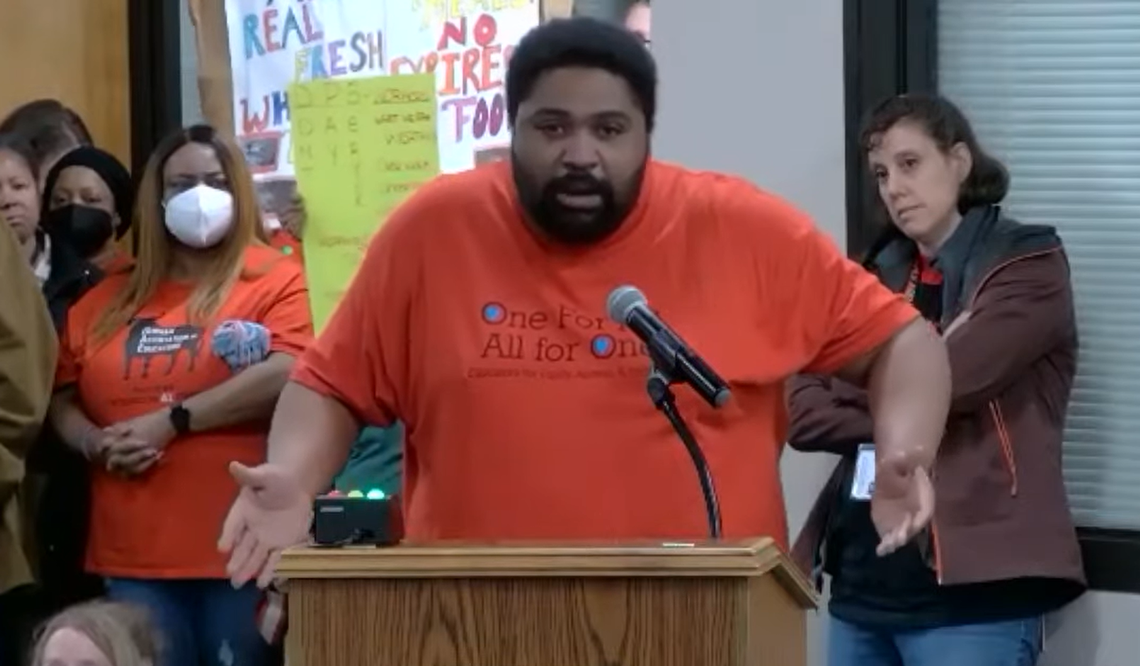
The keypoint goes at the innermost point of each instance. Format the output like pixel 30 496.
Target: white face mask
pixel 201 216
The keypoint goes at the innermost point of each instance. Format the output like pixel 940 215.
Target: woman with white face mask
pixel 144 393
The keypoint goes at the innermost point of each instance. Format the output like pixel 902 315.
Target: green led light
pixel 375 494
pixel 355 493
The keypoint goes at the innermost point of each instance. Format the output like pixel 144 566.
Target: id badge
pixel 864 483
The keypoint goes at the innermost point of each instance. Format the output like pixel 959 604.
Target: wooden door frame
pixel 154 30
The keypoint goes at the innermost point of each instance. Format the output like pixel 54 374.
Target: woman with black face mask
pixel 87 201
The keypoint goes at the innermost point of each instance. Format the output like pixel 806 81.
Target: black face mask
pixel 84 228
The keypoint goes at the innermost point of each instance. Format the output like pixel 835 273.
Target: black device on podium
pixel 357 518
pixel 673 362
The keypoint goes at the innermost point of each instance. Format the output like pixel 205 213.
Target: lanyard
pixel 912 287
pixel 912 283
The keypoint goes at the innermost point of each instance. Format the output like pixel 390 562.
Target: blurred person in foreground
pixel 167 373
pixel 1001 551
pixel 27 359
pixel 67 235
pixel 477 319
pixel 98 633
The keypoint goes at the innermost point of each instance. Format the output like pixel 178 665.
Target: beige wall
pixel 83 61
pixel 756 88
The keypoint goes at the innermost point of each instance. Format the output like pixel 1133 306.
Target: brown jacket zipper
pixel 995 412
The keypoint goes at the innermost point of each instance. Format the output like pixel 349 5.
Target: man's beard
pixel 572 225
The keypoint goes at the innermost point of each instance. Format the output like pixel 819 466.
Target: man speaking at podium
pixel 477 318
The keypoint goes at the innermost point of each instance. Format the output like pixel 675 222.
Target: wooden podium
pixel 738 603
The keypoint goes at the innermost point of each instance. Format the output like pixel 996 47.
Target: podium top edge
pixel 451 559
pixel 455 559
pixel 646 547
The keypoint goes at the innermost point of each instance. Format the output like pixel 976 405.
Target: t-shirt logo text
pixel 146 341
pixel 548 343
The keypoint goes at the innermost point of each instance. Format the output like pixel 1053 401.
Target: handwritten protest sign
pixel 466 44
pixel 360 146
pixel 274 43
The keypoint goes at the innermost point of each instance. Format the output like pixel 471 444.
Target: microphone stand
pixel 658 386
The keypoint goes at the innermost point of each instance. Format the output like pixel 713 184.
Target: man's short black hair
pixel 582 42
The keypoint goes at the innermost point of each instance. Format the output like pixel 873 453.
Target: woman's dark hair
pixel 988 181
pixel 582 42
pixel 49 126
pixel 16 144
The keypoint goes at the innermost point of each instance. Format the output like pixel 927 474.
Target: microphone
pixel 672 361
pixel 671 357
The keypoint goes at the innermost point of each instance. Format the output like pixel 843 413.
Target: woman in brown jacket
pixel 27 366
pixel 1002 550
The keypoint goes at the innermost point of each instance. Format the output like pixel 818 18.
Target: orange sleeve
pixel 835 308
pixel 360 357
pixel 289 319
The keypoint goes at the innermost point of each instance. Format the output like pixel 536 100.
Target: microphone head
pixel 622 301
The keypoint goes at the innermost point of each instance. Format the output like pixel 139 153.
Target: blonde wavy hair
pixel 154 246
pixel 122 632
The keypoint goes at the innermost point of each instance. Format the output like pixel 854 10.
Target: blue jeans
pixel 1011 643
pixel 201 622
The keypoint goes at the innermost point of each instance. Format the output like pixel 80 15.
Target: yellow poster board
pixel 360 146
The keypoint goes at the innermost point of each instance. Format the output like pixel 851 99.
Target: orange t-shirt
pixel 165 524
pixel 526 410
